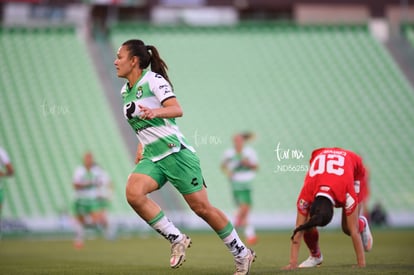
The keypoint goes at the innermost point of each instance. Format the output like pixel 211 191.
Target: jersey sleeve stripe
pixel 173 96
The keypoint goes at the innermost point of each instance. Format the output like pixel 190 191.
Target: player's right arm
pixel 78 185
pixel 226 170
pixel 4 158
pixel 78 181
pixel 295 244
pixel 138 155
pixel 225 164
pixel 9 171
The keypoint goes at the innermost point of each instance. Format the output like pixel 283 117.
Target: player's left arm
pixel 295 244
pixel 170 108
pixel 353 226
pixel 224 166
pixel 250 161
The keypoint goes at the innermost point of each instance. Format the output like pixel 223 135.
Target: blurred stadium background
pixel 299 74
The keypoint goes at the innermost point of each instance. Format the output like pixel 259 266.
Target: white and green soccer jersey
pixel 104 189
pixel 160 137
pixel 91 180
pixel 242 176
pixel 4 160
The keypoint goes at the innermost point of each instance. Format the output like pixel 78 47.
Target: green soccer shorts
pixel 242 196
pixel 84 207
pixel 103 203
pixel 182 169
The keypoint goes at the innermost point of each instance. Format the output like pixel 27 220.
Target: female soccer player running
pixel 240 165
pixel 333 180
pixel 87 180
pixel 150 107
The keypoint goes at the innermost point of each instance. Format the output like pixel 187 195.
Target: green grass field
pixel 393 253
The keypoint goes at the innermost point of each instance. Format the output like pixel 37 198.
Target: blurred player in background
pixel 104 194
pixel 88 181
pixel 105 191
pixel 240 164
pixel 378 215
pixel 150 107
pixel 334 180
pixel 6 170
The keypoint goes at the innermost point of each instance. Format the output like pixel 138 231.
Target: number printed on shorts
pixel 331 164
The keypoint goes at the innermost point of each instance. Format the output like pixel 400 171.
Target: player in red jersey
pixel 335 179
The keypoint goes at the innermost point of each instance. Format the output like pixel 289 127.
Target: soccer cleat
pixel 78 244
pixel 311 262
pixel 178 251
pixel 366 236
pixel 243 263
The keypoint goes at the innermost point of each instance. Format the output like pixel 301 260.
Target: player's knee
pixel 244 209
pixel 135 193
pixel 133 196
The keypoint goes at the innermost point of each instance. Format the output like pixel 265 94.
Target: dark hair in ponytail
pixel 148 55
pixel 321 214
pixel 247 136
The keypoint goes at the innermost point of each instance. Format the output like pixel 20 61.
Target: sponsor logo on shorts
pixel 194 182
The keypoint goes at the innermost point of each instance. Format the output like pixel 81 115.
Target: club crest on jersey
pixel 139 92
pixel 303 205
